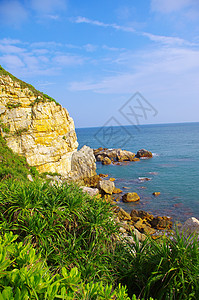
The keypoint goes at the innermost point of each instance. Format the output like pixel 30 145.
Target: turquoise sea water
pixel 173 170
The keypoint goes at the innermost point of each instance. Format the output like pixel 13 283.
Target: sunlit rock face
pixel 36 127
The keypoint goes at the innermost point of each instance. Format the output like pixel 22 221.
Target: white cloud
pixel 68 60
pixel 12 12
pixel 48 6
pixel 11 61
pixel 90 47
pixel 152 71
pixel 5 48
pixel 167 40
pixel 101 24
pixel 168 6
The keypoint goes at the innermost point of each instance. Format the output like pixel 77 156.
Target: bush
pixel 25 275
pixel 167 268
pixel 65 225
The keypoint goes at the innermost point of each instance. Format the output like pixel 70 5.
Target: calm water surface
pixel 173 170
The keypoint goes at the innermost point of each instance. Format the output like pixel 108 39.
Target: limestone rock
pixel 130 197
pixel 83 164
pixel 37 128
pixel 144 153
pixel 106 186
pixel 91 191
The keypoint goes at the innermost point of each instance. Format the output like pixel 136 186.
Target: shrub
pixel 25 275
pixel 167 268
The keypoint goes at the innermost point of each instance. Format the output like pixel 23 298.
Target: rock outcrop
pixel 36 127
pixel 83 164
pixel 106 156
pixel 143 153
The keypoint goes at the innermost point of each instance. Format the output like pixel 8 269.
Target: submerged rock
pixel 156 194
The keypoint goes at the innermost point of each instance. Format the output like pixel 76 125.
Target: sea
pixel 173 171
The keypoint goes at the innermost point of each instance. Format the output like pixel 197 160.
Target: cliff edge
pixel 35 126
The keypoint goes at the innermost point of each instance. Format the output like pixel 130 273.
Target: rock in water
pixel 35 126
pixel 130 197
pixel 144 153
pixel 106 186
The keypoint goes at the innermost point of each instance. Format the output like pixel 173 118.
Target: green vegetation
pixel 13 105
pixel 58 243
pixel 167 268
pixel 13 165
pixel 25 275
pixel 23 85
pixel 4 128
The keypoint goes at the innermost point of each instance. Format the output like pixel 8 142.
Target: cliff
pixel 35 126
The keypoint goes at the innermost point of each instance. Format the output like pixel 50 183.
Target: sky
pixel 120 61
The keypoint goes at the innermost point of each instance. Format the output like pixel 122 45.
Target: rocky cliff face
pixel 36 127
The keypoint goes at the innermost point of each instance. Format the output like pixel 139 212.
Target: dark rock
pixel 144 153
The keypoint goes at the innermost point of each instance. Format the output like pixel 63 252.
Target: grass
pixel 167 268
pixel 40 97
pixel 13 165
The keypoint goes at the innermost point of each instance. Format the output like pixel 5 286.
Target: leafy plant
pixel 167 268
pixel 25 275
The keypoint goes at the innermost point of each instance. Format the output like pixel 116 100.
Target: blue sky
pixel 92 56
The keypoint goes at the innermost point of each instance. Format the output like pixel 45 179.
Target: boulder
pixel 106 186
pixel 92 181
pixel 144 153
pixel 83 164
pixel 191 226
pixel 91 191
pixel 136 214
pixel 161 223
pixel 106 161
pixel 123 155
pixel 122 214
pixel 112 179
pixel 130 197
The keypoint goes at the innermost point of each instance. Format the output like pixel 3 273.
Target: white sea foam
pixel 155 154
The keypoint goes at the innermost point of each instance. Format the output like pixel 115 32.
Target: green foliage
pixel 167 268
pixel 4 128
pixel 13 105
pixel 64 224
pixel 21 131
pixel 23 85
pixel 12 165
pixel 25 275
